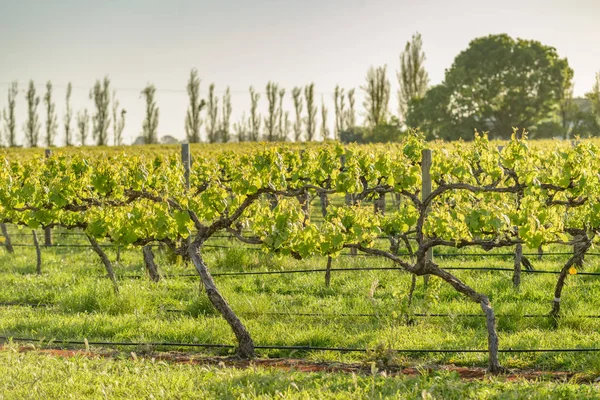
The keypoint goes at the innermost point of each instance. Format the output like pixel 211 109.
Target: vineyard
pixel 474 253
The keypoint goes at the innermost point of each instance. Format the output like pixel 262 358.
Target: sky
pixel 239 43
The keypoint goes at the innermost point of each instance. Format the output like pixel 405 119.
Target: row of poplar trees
pixel 308 121
pixel 107 119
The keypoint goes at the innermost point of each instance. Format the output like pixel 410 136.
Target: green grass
pixel 83 305
pixel 36 375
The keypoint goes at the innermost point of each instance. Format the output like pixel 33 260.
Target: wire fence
pixel 8 338
pixel 334 315
pixel 399 254
pixel 349 269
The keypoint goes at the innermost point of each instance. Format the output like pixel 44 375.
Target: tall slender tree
pixel 100 95
pixel 311 111
pixel 351 114
pixel 51 123
pixel 9 115
pixel 212 108
pixel 594 97
pixel 32 125
pixel 241 128
pixel 412 77
pixel 193 122
pixel 340 111
pixel 255 119
pixel 324 128
pixel 271 119
pixel 377 96
pixel 118 120
pixel 298 105
pixel 281 132
pixel 150 123
pixel 287 126
pixel 68 117
pixel 226 117
pixel 83 125
pixel 567 109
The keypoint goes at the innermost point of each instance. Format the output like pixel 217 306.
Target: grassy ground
pixel 35 375
pixel 81 304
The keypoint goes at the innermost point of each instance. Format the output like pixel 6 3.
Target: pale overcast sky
pixel 241 43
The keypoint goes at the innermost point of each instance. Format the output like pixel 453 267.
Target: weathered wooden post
pixel 426 190
pixel 186 161
pixel 38 253
pixel 48 231
pixel 349 197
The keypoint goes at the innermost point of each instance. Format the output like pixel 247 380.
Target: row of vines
pixel 481 196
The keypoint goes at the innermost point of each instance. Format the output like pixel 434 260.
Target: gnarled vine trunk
pixel 107 264
pixel 38 254
pixel 328 272
pixel 560 283
pixel 493 362
pixel 517 265
pixel 245 342
pixel 150 264
pixel 7 241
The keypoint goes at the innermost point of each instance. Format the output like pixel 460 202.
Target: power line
pixel 158 90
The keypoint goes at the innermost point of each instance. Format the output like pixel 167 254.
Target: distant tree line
pixel 495 85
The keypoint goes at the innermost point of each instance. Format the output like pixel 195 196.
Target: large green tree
pixel 496 84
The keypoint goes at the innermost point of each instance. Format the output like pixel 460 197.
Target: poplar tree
pixel 281 122
pixel 287 126
pixel 226 117
pixel 212 108
pixel 68 117
pixel 150 123
pixel 100 95
pixel 311 111
pixel 377 96
pixel 32 124
pixel 51 124
pixel 255 119
pixel 324 128
pixel 340 111
pixel 118 120
pixel 193 122
pixel 594 96
pixel 298 105
pixel 83 125
pixel 567 109
pixel 9 116
pixel 241 128
pixel 412 77
pixel 271 119
pixel 351 114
